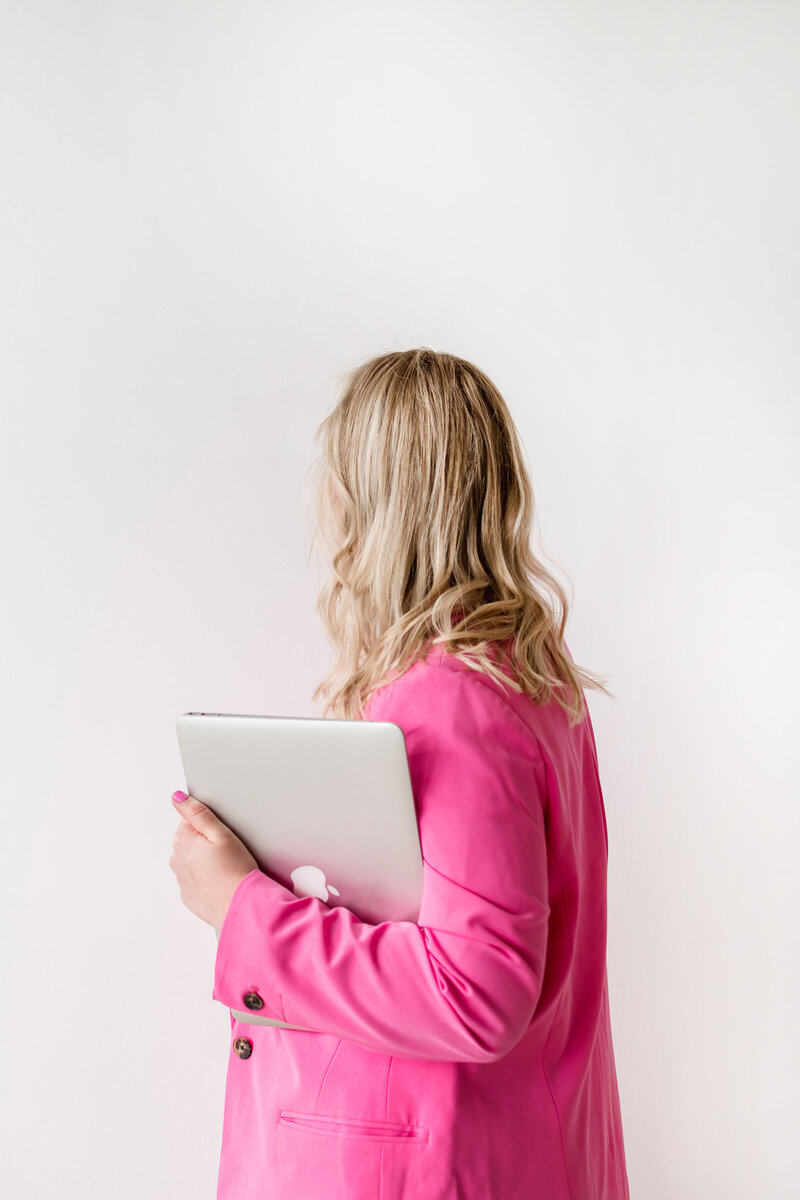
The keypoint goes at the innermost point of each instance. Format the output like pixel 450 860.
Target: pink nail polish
pixel 180 796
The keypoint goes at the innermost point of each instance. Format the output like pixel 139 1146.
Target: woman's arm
pixel 462 983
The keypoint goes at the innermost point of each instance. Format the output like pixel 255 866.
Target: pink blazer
pixel 467 1056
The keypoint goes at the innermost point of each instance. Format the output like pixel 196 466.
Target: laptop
pixel 324 806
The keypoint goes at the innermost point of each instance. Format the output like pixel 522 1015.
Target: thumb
pixel 198 815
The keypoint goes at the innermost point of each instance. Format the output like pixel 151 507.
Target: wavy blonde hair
pixel 424 505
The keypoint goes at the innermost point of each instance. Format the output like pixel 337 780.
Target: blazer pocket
pixel 353 1127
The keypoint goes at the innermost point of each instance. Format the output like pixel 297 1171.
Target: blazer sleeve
pixel 463 981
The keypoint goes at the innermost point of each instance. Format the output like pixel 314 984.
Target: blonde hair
pixel 424 505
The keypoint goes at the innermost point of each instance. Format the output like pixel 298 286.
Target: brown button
pixel 252 1000
pixel 242 1047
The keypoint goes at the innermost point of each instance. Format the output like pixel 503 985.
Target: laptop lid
pixel 324 806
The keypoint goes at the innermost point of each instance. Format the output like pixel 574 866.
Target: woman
pixel 467 1056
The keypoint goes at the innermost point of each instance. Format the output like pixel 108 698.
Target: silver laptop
pixel 324 806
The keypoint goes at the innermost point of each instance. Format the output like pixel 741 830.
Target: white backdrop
pixel 208 212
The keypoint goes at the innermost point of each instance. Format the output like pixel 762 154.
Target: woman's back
pixel 468 1056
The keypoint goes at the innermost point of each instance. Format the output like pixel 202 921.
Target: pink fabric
pixel 467 1056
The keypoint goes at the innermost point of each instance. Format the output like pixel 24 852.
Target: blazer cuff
pixel 239 951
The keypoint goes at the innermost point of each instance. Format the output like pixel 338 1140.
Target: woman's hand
pixel 209 860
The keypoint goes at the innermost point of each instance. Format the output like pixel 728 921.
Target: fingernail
pixel 180 796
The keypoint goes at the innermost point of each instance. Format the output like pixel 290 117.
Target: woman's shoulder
pixel 440 687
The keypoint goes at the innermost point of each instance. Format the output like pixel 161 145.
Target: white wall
pixel 210 210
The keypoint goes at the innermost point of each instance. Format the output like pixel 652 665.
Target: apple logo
pixel 310 881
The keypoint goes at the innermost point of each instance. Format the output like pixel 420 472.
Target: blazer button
pixel 242 1047
pixel 252 1000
